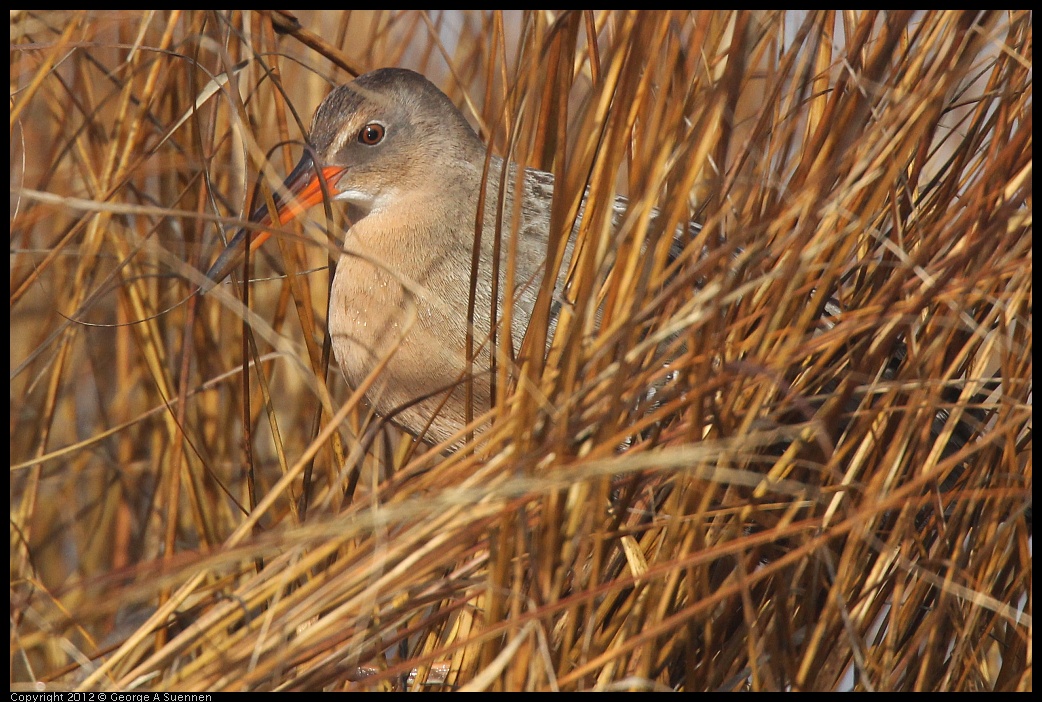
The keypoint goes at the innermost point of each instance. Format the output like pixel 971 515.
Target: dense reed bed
pixel 830 488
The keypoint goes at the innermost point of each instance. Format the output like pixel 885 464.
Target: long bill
pixel 305 186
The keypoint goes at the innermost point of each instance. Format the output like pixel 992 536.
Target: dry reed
pixel 830 491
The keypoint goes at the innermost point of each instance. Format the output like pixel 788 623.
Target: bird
pixel 411 170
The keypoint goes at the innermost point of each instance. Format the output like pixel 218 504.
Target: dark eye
pixel 371 134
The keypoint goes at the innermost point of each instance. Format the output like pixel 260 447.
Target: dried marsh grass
pixel 830 488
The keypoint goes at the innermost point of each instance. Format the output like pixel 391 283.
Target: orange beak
pixel 305 186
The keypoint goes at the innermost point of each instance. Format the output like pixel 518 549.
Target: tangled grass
pixel 831 489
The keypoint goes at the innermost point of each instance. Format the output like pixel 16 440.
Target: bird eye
pixel 371 134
